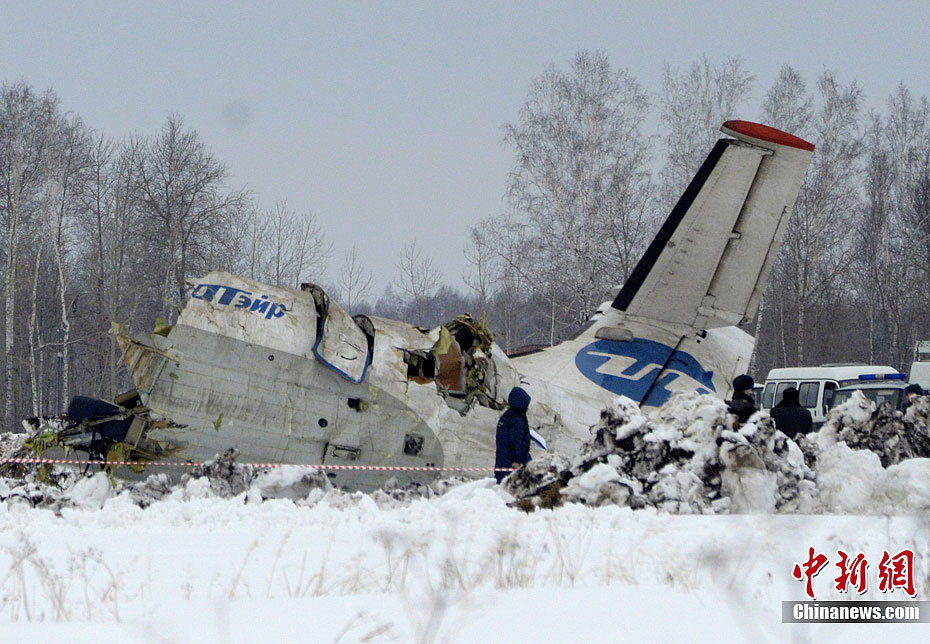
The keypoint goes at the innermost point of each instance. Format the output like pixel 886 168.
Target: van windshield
pixel 892 395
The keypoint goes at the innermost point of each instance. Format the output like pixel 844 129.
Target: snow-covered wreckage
pixel 692 457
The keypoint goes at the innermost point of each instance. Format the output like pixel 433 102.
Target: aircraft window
pixel 421 366
pixel 768 395
pixel 413 444
pixel 780 390
pixel 357 404
pixel 808 394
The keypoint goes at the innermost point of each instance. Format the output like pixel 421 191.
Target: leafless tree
pixel 310 251
pixel 68 160
pixel 694 104
pixel 418 278
pixel 907 131
pixel 354 280
pixel 878 242
pixel 580 191
pixel 788 106
pixel 281 233
pixel 115 258
pixel 286 248
pixel 817 238
pixel 485 264
pixel 182 190
pixel 26 128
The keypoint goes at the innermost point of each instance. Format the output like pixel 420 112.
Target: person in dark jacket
pixel 743 404
pixel 513 433
pixel 790 417
pixel 911 392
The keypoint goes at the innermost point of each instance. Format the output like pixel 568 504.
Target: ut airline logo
pixel 631 368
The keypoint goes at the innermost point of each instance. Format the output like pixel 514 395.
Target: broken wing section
pixel 710 261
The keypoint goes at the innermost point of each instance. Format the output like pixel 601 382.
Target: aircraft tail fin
pixel 710 261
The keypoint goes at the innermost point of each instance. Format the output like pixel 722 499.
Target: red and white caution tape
pixel 375 468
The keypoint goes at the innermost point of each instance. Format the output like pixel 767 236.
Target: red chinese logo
pixel 897 572
pixel 852 571
pixel 815 562
pixel 894 571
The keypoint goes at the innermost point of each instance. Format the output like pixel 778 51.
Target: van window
pixel 829 388
pixel 808 394
pixel 780 390
pixel 767 395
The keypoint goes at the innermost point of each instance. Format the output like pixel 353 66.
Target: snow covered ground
pixel 462 567
pixel 199 565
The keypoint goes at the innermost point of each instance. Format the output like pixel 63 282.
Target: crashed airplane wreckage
pixel 287 376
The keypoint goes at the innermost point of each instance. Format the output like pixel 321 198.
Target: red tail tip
pixel 766 133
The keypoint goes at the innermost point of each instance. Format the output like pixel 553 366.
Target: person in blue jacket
pixel 513 433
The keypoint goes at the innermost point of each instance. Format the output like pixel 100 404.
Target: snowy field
pixel 462 567
pixel 199 562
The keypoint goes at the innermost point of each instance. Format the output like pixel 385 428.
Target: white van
pixel 816 385
pixel 920 368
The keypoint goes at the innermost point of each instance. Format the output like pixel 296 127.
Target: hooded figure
pixel 743 404
pixel 790 417
pixel 513 434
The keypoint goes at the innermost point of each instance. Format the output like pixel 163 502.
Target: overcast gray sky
pixel 386 118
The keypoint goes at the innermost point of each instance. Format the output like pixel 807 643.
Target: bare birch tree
pixel 182 191
pixel 418 278
pixel 580 191
pixel 908 134
pixel 26 126
pixel 694 104
pixel 67 162
pixel 816 245
pixel 354 281
pixel 111 218
pixel 788 106
pixel 485 270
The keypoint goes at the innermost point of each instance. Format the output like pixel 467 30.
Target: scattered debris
pixel 227 477
pixel 153 488
pixel 686 457
pixel 223 476
pixel 290 482
pixel 94 429
pixel 893 436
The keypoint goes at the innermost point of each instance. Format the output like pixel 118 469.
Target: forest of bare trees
pixel 96 229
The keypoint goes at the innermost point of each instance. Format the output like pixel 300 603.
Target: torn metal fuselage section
pixel 288 376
